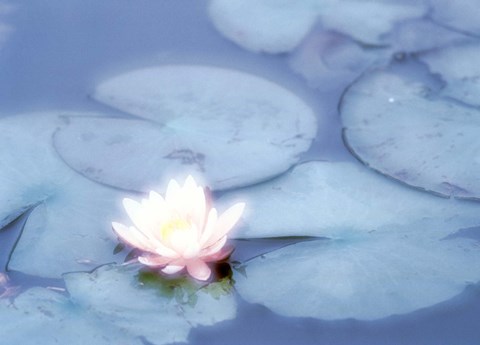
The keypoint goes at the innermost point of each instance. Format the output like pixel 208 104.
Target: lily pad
pixel 111 306
pixel 395 124
pixel 263 25
pixel 330 61
pixel 231 128
pixel 463 76
pixel 42 316
pixel 343 200
pixel 69 231
pixel 266 25
pixel 405 37
pixel 369 277
pixel 30 172
pixel 353 17
pixel 69 228
pixel 461 15
pixel 119 298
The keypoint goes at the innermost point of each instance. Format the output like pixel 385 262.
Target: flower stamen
pixel 176 224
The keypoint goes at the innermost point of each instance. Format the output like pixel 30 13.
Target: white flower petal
pixel 199 209
pixel 209 226
pixel 198 269
pixel 192 251
pixel 182 240
pixel 145 222
pixel 173 191
pixel 136 214
pixel 154 261
pixel 131 236
pixel 190 185
pixel 163 250
pixel 222 254
pixel 172 269
pixel 226 222
pixel 157 200
pixel 188 204
pixel 214 248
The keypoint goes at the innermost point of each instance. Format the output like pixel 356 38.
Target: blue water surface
pixel 60 49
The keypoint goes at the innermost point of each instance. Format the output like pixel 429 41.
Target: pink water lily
pixel 179 231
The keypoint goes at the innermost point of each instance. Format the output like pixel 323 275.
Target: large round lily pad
pixel 230 128
pixel 396 124
pixel 461 15
pixel 343 200
pixel 145 304
pixel 69 228
pixel 114 305
pixel 329 60
pixel 266 25
pixel 42 316
pixel 369 277
pixel 463 76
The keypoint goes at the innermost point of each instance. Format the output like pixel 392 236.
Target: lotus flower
pixel 180 230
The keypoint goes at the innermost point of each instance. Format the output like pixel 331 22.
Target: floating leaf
pixel 395 124
pixel 69 228
pixel 265 25
pixel 405 37
pixel 117 296
pixel 42 316
pixel 342 200
pixel 108 306
pixel 331 61
pixel 372 276
pixel 463 76
pixel 459 14
pixel 205 121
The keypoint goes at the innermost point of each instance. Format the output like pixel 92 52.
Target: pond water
pixel 349 128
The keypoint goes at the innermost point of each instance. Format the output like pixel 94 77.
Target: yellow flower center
pixel 174 225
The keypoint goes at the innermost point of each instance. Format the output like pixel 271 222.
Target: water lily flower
pixel 179 231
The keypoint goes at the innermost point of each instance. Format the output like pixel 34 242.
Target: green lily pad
pixel 215 123
pixel 143 307
pixel 42 316
pixel 462 77
pixel 110 306
pixel 461 15
pixel 369 277
pixel 266 25
pixel 69 228
pixel 397 124
pixel 343 200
